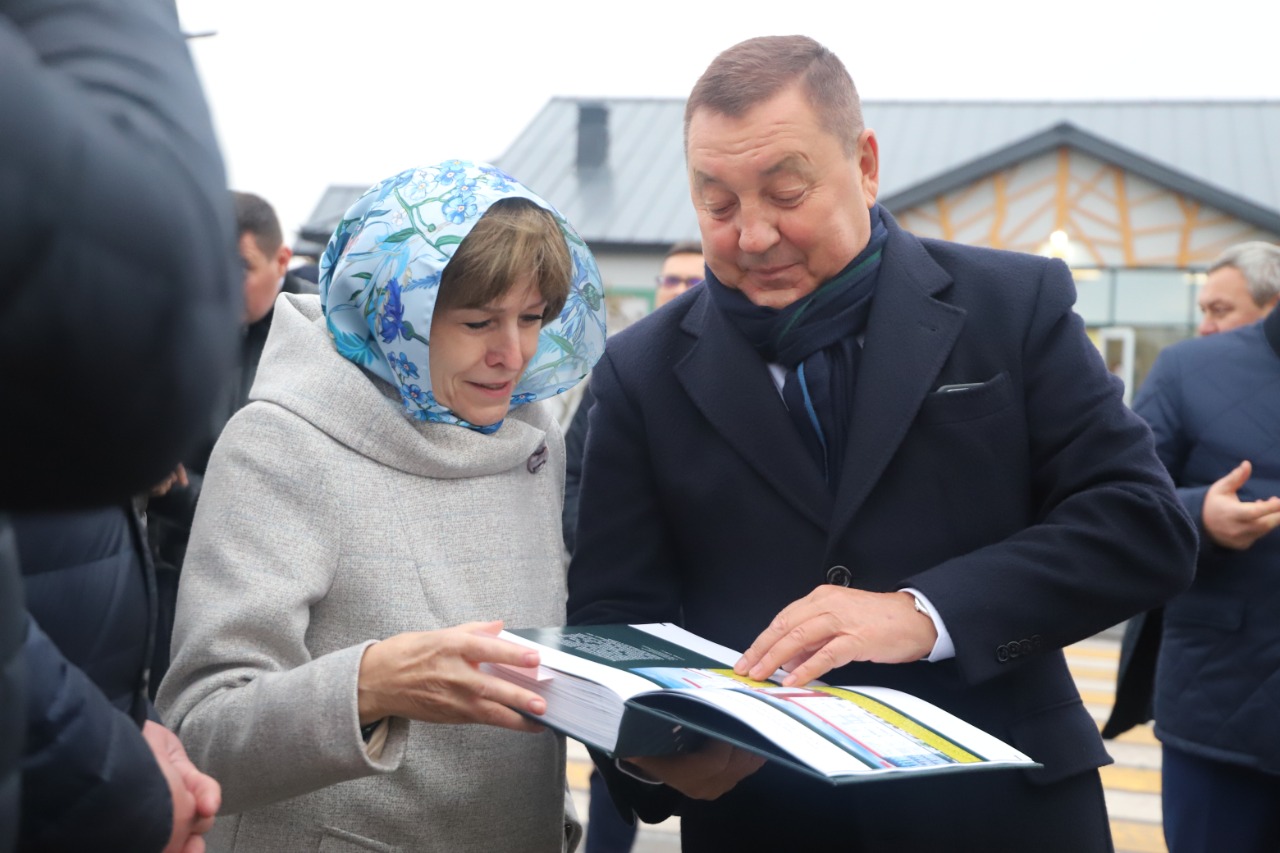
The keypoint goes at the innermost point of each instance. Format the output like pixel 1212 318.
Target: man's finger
pixel 834 654
pixel 1232 482
pixel 793 614
pixel 800 643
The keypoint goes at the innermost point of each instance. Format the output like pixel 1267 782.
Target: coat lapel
pixel 909 336
pixel 730 384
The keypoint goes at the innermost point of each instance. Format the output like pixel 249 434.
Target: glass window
pixel 1154 298
pixel 1093 296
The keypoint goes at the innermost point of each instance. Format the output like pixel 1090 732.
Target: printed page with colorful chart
pixel 660 689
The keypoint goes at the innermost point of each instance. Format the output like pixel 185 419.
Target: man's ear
pixel 283 255
pixel 868 155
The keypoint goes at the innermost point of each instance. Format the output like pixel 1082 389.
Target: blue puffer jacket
pixel 1211 403
pixel 89 781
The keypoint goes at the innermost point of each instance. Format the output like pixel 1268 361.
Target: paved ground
pixel 1132 783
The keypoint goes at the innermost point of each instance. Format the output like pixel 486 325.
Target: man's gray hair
pixel 1259 263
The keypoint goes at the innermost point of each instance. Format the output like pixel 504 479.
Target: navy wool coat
pixel 1029 508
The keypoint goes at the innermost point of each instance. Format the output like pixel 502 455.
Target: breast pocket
pixel 340 841
pixel 966 402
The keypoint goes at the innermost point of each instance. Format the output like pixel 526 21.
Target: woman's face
pixel 479 354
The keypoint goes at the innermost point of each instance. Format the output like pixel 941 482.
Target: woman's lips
pixel 494 389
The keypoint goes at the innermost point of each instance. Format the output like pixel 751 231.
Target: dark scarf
pixel 816 339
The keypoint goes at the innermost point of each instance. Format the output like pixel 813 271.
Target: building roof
pixel 314 235
pixel 631 188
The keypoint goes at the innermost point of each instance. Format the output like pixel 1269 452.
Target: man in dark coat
pixel 169 514
pixel 116 255
pixel 1213 402
pixel 874 459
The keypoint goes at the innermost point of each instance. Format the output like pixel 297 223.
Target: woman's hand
pixel 435 677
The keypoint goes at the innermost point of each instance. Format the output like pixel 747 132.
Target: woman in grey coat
pixel 388 500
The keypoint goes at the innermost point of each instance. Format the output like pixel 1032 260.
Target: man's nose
pixel 757 234
pixel 1207 327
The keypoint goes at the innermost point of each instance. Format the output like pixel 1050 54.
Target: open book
pixel 658 689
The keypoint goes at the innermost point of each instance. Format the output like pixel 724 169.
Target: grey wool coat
pixel 330 520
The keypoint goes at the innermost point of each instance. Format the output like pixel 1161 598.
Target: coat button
pixel 538 459
pixel 839 575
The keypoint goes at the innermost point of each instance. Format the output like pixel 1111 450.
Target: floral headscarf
pixel 380 276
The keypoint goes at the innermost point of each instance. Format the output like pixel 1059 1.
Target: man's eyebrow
pixel 702 179
pixel 791 164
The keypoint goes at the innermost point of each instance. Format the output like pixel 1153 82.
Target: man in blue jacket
pixel 874 459
pixel 1214 406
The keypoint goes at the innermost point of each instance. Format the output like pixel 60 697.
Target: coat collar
pixel 730 384
pixel 909 336
pixel 1271 330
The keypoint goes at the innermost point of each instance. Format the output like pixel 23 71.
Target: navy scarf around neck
pixel 816 339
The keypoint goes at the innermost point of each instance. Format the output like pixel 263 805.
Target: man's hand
pixel 196 797
pixel 706 774
pixel 834 625
pixel 1233 523
pixel 177 478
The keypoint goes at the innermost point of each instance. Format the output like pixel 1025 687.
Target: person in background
pixel 118 318
pixel 1241 288
pixel 1213 404
pixel 872 459
pixel 173 504
pixel 387 501
pixel 682 268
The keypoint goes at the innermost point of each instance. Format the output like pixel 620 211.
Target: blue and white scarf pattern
pixel 380 276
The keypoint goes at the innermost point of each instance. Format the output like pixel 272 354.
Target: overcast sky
pixel 305 94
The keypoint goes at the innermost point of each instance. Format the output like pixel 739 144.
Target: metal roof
pixel 1220 152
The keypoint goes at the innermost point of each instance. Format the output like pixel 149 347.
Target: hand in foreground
pixel 705 774
pixel 834 625
pixel 1233 523
pixel 435 677
pixel 196 797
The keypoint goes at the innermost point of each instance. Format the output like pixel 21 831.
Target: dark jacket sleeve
pixel 89 779
pixel 119 292
pixel 575 442
pixel 1159 403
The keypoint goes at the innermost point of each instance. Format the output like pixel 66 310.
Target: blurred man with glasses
pixel 681 269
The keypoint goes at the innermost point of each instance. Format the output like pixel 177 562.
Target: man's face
pixel 1225 303
pixel 262 274
pixel 679 273
pixel 781 207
